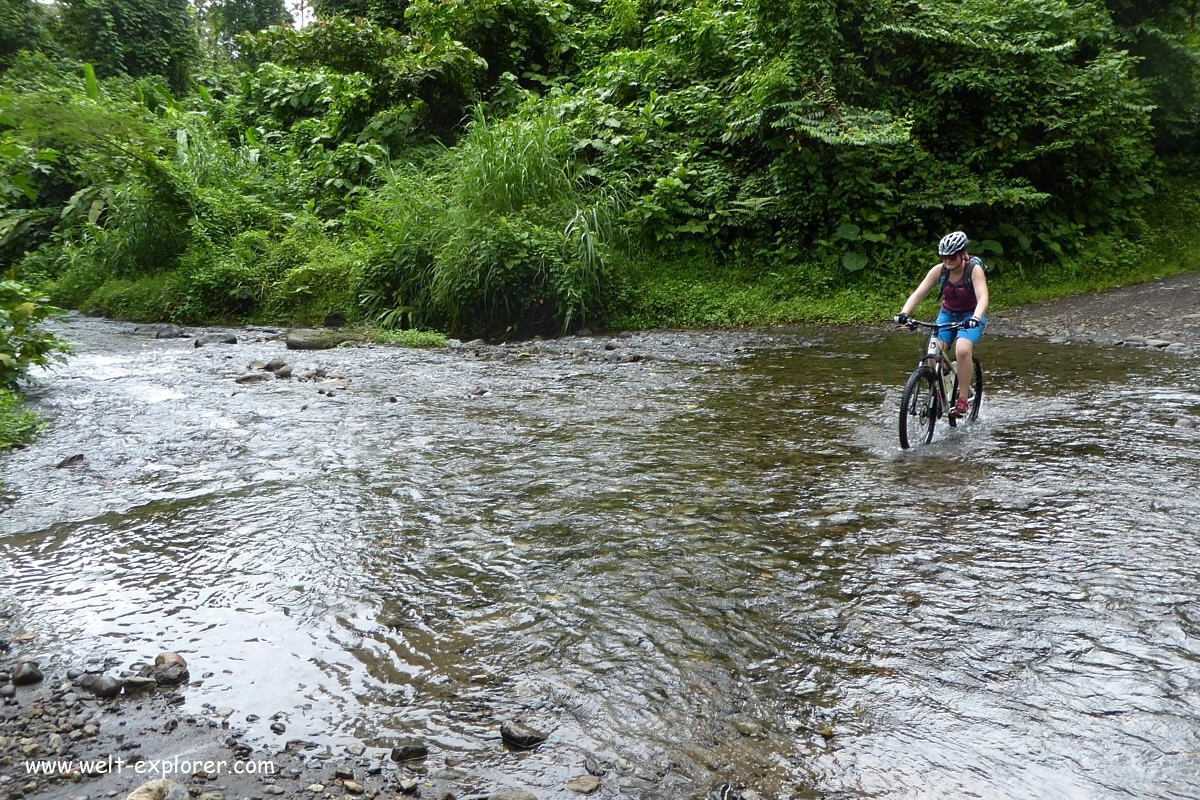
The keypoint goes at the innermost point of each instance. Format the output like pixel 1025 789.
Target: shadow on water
pixel 712 563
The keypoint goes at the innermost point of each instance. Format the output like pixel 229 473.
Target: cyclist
pixel 964 296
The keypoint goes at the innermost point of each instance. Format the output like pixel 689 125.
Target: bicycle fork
pixel 934 357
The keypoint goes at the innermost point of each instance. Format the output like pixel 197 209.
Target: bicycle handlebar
pixel 943 326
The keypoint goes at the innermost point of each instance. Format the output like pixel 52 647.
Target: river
pixel 695 557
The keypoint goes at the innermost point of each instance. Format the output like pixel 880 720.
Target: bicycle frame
pixel 939 360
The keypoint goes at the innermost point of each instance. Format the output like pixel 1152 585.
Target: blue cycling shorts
pixel 970 334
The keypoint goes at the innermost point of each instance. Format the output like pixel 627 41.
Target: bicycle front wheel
pixel 918 409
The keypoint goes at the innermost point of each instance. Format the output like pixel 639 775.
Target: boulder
pixel 316 339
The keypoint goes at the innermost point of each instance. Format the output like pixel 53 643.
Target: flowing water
pixel 712 564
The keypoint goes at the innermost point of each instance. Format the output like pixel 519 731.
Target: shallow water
pixel 642 557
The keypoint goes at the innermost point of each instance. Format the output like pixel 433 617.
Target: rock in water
pixel 520 735
pixel 409 749
pixel 26 673
pixel 310 339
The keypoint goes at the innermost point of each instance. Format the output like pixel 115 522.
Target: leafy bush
pixel 18 425
pixel 23 344
pixel 508 238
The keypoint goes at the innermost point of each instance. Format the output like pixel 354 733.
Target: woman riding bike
pixel 964 295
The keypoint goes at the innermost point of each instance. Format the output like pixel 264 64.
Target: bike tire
pixel 977 395
pixel 918 409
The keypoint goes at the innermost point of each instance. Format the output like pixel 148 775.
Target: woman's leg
pixel 964 350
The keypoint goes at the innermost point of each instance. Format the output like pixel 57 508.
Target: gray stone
pixel 1179 348
pixel 313 339
pixel 584 784
pixel 253 377
pixel 512 794
pixel 169 332
pixel 408 786
pixel 101 685
pixel 409 749
pixel 169 674
pixel 154 790
pixel 352 787
pixel 137 683
pixel 520 735
pixel 214 338
pixel 26 673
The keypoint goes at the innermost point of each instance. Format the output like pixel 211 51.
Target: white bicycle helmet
pixel 952 243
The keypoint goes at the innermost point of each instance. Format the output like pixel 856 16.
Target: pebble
pixel 353 787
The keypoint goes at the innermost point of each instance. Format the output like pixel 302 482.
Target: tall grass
pixel 507 238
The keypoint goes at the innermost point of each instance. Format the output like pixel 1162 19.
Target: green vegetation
pixel 18 425
pixel 23 345
pixel 22 342
pixel 508 167
pixel 408 338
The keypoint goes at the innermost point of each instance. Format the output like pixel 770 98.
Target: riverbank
pixel 1158 314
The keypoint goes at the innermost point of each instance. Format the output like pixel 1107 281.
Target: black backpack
pixel 972 262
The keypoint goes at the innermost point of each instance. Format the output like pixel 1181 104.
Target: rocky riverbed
pixel 102 731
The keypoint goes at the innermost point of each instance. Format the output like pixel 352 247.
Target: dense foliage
pixel 494 166
pixel 23 344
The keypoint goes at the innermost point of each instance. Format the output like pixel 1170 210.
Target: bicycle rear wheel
pixel 975 395
pixel 918 409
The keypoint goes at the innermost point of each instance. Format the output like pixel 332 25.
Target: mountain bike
pixel 927 395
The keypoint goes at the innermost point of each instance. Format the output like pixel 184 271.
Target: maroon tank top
pixel 959 296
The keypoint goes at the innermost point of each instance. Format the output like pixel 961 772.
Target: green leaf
pixel 96 209
pixel 92 86
pixel 854 261
pixel 991 246
pixel 848 231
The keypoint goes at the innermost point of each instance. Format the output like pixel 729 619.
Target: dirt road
pixel 1163 313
